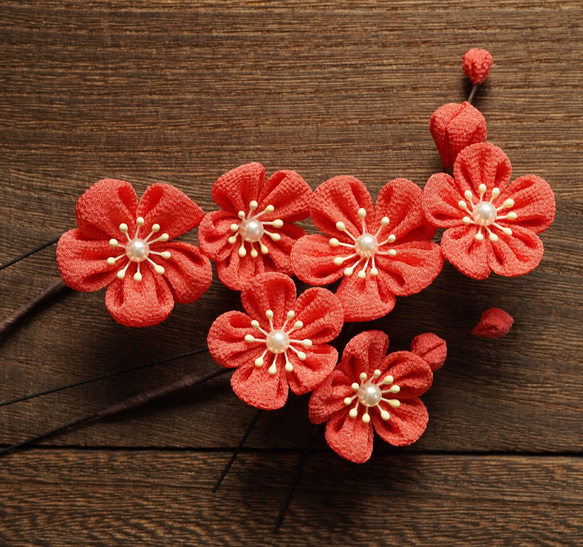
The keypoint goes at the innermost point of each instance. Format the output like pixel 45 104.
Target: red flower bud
pixel 477 64
pixel 431 348
pixel 454 127
pixel 494 323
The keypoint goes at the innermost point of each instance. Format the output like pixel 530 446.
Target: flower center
pixel 484 213
pixel 251 230
pixel 137 250
pixel 369 394
pixel 277 341
pixel 366 245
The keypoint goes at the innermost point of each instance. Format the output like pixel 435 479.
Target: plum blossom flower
pixel 280 343
pixel 491 225
pixel 379 253
pixel 371 391
pixel 126 246
pixel 252 232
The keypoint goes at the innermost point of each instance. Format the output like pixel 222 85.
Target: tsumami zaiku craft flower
pixel 280 342
pixel 126 245
pixel 380 253
pixel 371 391
pixel 492 225
pixel 252 232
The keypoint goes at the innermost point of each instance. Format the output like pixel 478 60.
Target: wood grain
pixel 181 92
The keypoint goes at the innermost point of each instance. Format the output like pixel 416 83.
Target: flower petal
pixel 104 206
pixel 236 272
pixel 431 348
pixel 288 193
pixel 279 251
pixel 469 256
pixel 365 353
pixel 481 163
pixel 364 299
pixel 338 200
pixel 328 397
pixel 83 262
pixel 534 203
pixel 172 209
pixel 234 190
pixel 270 291
pixel 258 388
pixel 226 340
pixel 213 235
pixel 139 304
pixel 413 268
pixel 321 314
pixel 515 255
pixel 441 196
pixel 188 271
pixel 406 425
pixel 306 375
pixel 350 437
pixel 312 259
pixel 409 371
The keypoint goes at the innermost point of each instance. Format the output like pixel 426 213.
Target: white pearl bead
pixel 484 213
pixel 277 341
pixel 369 394
pixel 251 230
pixel 366 245
pixel 137 250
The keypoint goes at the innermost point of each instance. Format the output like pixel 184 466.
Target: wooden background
pixel 180 92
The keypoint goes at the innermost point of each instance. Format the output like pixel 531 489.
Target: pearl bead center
pixel 484 213
pixel 366 245
pixel 251 230
pixel 137 250
pixel 369 395
pixel 277 341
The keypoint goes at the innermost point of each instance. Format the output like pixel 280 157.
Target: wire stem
pixel 40 248
pixel 472 93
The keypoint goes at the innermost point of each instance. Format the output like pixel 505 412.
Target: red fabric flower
pixel 251 233
pixel 125 244
pixel 492 225
pixel 494 323
pixel 279 342
pixel 477 64
pixel 371 390
pixel 379 252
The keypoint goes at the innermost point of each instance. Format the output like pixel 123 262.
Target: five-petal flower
pixel 492 225
pixel 280 342
pixel 252 232
pixel 380 253
pixel 370 390
pixel 126 245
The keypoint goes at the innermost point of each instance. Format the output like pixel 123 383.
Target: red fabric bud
pixel 454 127
pixel 477 64
pixel 494 323
pixel 431 348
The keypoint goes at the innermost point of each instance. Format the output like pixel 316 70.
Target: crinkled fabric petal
pixel 188 271
pixel 139 304
pixel 271 291
pixel 83 262
pixel 364 353
pixel 288 193
pixel 338 200
pixel 401 201
pixel 226 340
pixel 306 375
pixel 406 425
pixel 413 268
pixel 441 196
pixel 104 206
pixel 515 255
pixel 481 163
pixel 312 259
pixel 236 272
pixel 410 372
pixel 364 299
pixel 234 190
pixel 469 256
pixel 431 348
pixel 213 235
pixel 321 313
pixel 350 437
pixel 258 388
pixel 328 397
pixel 534 204
pixel 279 251
pixel 172 209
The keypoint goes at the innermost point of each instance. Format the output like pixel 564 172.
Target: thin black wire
pixel 237 450
pixel 101 377
pixel 40 248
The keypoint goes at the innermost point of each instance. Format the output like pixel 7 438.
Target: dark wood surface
pixel 181 92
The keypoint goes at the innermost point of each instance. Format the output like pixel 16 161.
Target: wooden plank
pixel 163 498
